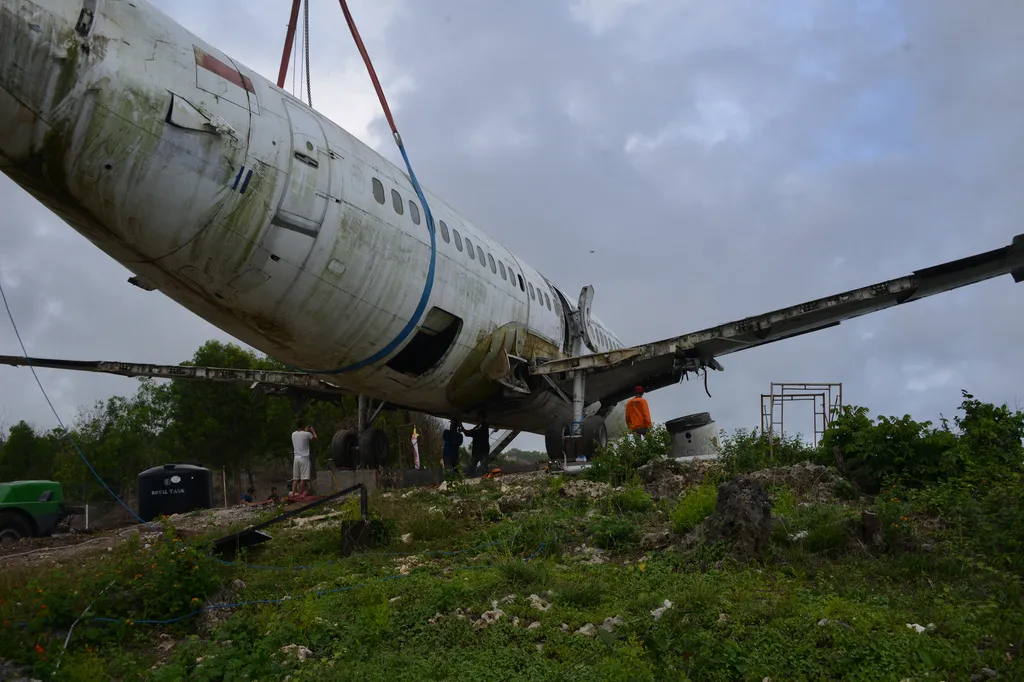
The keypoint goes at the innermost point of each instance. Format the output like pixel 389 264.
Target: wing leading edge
pixel 612 375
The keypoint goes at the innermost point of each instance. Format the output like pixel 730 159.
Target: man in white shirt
pixel 301 438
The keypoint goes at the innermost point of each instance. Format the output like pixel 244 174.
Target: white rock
pixel 610 624
pixel 660 611
pixel 538 603
pixel 301 652
pixel 488 618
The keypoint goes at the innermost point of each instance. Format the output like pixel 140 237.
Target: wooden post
pixel 224 483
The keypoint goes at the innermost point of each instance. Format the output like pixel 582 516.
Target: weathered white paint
pixel 258 214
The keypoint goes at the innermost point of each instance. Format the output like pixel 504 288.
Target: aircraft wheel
pixel 373 448
pixel 554 441
pixel 595 435
pixel 344 447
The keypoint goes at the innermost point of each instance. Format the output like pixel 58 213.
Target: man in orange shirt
pixel 638 416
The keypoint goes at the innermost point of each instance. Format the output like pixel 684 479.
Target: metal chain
pixel 305 39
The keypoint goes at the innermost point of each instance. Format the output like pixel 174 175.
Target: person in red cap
pixel 638 416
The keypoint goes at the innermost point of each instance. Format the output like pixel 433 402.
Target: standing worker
pixel 638 416
pixel 481 447
pixel 452 441
pixel 301 438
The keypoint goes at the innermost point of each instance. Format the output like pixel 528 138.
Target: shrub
pixel 695 506
pixel 610 532
pixel 630 500
pixel 991 438
pixel 916 454
pixel 750 450
pixel 823 529
pixel 783 500
pixel 828 529
pixel 616 463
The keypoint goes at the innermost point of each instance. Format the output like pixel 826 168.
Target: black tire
pixel 13 527
pixel 554 441
pixel 373 448
pixel 345 449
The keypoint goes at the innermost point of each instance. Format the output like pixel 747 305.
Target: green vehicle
pixel 32 509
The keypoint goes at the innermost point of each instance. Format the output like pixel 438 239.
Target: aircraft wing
pixel 275 382
pixel 612 375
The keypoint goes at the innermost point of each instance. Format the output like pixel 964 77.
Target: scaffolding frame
pixel 827 401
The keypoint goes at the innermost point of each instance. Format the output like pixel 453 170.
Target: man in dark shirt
pixel 481 447
pixel 451 442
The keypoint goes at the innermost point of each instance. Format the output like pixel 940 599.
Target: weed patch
pixel 693 507
pixel 828 603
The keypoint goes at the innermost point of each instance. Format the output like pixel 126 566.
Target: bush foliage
pixel 824 603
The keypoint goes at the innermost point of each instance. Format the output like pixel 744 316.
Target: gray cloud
pixel 720 159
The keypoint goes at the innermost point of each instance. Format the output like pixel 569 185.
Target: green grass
pixel 821 607
pixel 694 506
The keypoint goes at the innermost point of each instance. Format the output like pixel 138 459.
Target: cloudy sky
pixel 697 162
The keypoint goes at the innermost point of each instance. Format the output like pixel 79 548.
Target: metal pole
pixel 364 409
pixel 578 383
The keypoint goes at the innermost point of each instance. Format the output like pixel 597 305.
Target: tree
pixel 120 437
pixel 223 425
pixel 26 454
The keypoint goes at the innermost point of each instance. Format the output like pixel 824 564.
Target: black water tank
pixel 174 489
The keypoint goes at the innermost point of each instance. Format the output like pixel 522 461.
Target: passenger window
pixel 458 239
pixel 532 294
pixel 396 201
pixel 521 285
pixel 414 211
pixel 444 232
pixel 469 249
pixel 547 300
pixel 480 252
pixel 378 191
pixel 501 266
pixel 490 261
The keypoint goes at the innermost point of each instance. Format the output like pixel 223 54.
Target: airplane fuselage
pixel 265 218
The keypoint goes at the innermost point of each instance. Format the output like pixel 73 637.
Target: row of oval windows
pixel 414 213
pixel 508 275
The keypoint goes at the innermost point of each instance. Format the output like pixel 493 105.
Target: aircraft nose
pixel 38 60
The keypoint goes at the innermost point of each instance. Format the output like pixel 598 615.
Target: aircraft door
pixel 304 201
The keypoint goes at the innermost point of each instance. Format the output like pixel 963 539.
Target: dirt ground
pixel 63 548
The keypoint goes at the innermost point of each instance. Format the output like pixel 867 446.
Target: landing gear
pixel 373 448
pixel 365 447
pixel 554 441
pixel 559 445
pixel 583 436
pixel 345 449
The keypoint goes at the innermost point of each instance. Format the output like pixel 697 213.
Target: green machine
pixel 32 509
